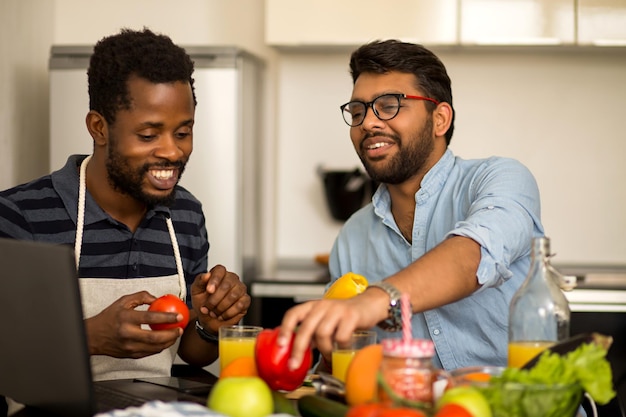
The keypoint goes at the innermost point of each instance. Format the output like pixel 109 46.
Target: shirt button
pixel 436 332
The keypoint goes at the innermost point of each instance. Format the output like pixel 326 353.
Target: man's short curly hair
pixel 133 53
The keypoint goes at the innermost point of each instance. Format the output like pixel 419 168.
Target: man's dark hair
pixel 380 57
pixel 133 53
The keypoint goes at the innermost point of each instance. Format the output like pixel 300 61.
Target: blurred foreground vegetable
pixel 346 286
pixel 271 362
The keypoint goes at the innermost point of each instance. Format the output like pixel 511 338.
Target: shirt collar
pixel 432 183
pixel 65 182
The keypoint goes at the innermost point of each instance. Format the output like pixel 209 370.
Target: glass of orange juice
pixel 522 352
pixel 236 341
pixel 342 354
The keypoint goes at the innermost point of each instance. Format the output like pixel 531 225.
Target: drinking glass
pixel 342 354
pixel 236 341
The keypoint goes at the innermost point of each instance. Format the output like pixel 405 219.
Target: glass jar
pixel 407 374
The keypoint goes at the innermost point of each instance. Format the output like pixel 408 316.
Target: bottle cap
pixel 415 348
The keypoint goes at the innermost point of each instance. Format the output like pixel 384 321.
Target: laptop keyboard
pixel 108 399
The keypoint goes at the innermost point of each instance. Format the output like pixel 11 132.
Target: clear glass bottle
pixel 539 313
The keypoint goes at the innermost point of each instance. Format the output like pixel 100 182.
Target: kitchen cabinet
pixel 517 22
pixel 292 23
pixel 602 22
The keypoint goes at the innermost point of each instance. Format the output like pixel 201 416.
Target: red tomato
pixel 453 410
pixel 382 410
pixel 271 362
pixel 365 410
pixel 401 412
pixel 169 303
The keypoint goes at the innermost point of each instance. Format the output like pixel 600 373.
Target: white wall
pixel 25 31
pixel 30 27
pixel 559 111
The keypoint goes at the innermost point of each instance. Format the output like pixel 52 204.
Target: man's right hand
pixel 116 331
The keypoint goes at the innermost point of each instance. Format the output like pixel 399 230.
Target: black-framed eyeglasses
pixel 385 107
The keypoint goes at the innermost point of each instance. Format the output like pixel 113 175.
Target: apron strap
pixel 179 262
pixel 80 219
pixel 80 224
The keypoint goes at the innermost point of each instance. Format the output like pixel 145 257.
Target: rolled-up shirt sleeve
pixel 503 217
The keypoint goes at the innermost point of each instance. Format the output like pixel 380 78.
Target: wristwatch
pixel 204 335
pixel 393 323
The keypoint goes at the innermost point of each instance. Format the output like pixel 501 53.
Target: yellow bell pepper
pixel 348 285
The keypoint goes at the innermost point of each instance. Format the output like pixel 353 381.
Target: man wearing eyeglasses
pixel 453 234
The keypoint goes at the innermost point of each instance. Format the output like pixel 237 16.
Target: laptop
pixel 44 360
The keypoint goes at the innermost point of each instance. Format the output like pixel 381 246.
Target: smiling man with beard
pixel 137 234
pixel 453 234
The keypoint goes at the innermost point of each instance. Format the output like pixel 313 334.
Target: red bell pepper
pixel 271 362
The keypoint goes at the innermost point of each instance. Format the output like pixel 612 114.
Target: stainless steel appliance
pixel 223 172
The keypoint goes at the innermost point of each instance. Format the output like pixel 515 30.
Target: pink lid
pixel 414 348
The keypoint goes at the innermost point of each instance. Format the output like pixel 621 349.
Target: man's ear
pixel 442 118
pixel 98 128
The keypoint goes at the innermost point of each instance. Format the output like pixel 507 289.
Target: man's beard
pixel 129 181
pixel 408 160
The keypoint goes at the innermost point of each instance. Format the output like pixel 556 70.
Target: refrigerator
pixel 224 169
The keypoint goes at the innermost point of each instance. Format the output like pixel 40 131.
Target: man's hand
pixel 323 321
pixel 116 331
pixel 219 298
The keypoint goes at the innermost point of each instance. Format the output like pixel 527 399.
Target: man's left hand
pixel 219 298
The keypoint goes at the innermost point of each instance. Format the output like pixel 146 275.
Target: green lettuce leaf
pixel 585 369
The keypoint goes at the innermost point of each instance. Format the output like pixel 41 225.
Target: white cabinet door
pixel 517 22
pixel 354 22
pixel 602 22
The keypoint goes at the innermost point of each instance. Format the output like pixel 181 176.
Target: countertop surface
pixel 597 286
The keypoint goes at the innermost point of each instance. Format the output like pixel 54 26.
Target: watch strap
pixel 393 323
pixel 204 335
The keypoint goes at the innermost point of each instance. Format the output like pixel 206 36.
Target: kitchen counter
pixel 598 288
pixel 290 283
pixel 301 280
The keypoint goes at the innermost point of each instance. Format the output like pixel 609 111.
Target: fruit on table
pixel 400 412
pixel 346 286
pixel 468 397
pixel 365 410
pixel 241 366
pixel 361 383
pixel 241 397
pixel 271 361
pixel 382 410
pixel 453 410
pixel 169 303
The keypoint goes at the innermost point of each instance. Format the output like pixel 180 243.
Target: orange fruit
pixel 478 377
pixel 242 366
pixel 361 383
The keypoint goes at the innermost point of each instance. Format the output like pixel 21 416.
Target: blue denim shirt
pixel 494 201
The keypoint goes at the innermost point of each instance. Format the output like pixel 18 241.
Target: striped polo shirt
pixel 46 210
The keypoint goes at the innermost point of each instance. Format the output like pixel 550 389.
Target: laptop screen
pixel 44 361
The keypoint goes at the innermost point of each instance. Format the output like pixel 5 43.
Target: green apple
pixel 241 397
pixel 467 397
